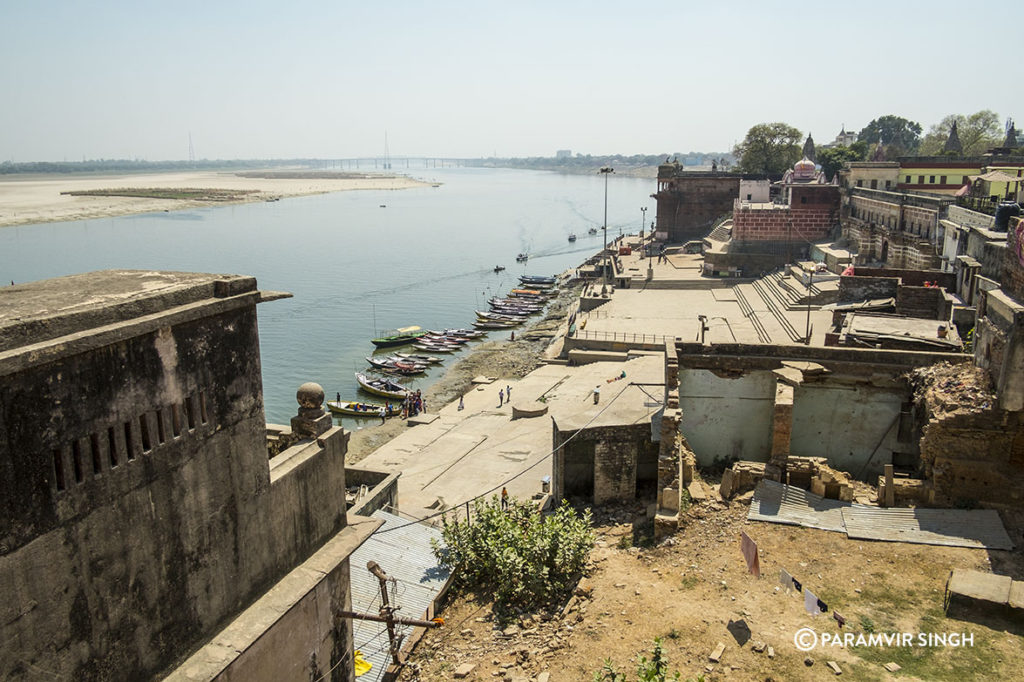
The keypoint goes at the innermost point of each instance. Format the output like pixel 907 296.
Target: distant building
pixel 563 154
pixel 141 512
pixel 844 139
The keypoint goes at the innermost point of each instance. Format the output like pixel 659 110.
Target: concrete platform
pixel 481 448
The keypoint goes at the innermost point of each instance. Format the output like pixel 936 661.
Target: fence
pixel 624 337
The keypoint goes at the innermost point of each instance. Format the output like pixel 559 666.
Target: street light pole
pixel 606 171
pixel 643 222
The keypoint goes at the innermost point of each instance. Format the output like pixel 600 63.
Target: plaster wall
pixel 845 423
pixel 727 416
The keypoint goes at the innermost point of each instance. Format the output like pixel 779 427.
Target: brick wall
pixel 774 225
pixel 925 302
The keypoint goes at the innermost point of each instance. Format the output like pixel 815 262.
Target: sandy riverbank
pixel 501 359
pixel 44 198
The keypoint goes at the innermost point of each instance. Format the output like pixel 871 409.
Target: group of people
pixel 504 395
pixel 413 405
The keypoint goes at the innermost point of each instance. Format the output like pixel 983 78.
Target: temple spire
pixel 809 148
pixel 953 145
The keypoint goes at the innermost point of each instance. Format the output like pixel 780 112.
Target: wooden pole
pixel 386 612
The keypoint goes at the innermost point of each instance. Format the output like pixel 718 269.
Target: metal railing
pixel 625 337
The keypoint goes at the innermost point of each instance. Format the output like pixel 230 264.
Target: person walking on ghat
pixel 383 414
pixel 461 406
pixel 501 396
pixel 508 394
pixel 504 499
pixel 597 393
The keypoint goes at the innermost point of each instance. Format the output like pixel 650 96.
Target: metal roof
pixel 979 528
pixel 406 556
pixel 778 503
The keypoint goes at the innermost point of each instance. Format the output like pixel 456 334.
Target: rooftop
pixel 40 311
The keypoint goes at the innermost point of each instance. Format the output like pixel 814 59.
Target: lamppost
pixel 606 171
pixel 643 222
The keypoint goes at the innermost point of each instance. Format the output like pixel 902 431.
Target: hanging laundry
pixel 362 666
pixel 749 549
pixel 811 603
pixel 823 606
pixel 797 586
pixel 839 619
pixel 786 580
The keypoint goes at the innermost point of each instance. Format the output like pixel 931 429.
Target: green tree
pixel 978 133
pixel 526 559
pixel 770 148
pixel 833 158
pixel 896 132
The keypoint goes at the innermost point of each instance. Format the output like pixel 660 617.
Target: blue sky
pixel 311 78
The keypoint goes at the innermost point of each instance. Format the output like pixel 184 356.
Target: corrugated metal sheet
pixel 980 528
pixel 779 503
pixel 405 555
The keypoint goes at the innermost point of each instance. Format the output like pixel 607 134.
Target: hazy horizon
pixel 327 80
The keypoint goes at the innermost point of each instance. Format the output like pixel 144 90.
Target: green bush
pixel 525 558
pixel 654 669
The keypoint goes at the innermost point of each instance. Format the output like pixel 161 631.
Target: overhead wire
pixel 514 477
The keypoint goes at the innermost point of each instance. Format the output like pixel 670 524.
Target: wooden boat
pixel 592 230
pixel 499 268
pixel 500 317
pixel 382 387
pixel 522 258
pixel 398 367
pixel 402 336
pixel 434 348
pixel 572 237
pixel 493 324
pixel 355 408
pixel 538 279
pixel 425 359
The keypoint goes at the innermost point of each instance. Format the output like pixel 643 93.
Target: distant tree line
pixel 129 165
pixel 587 162
pixel 772 148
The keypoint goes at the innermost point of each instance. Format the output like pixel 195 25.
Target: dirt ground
pixel 694 591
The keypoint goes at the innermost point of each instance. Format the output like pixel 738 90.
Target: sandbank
pixel 42 198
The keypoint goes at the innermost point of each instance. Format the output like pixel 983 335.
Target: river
pixel 357 262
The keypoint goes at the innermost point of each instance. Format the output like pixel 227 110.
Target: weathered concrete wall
pixel 137 506
pixel 689 203
pixel 845 424
pixel 969 218
pixel 865 287
pixel 1012 275
pixel 727 417
pixel 929 303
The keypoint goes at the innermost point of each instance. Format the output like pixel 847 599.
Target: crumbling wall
pixel 972 451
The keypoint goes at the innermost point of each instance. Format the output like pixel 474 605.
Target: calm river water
pixel 427 258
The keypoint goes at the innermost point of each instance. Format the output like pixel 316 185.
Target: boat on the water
pixel 499 268
pixel 423 359
pixel 356 408
pixel 538 279
pixel 592 230
pixel 401 337
pixel 572 237
pixel 522 258
pixel 495 324
pixel 396 365
pixel 382 387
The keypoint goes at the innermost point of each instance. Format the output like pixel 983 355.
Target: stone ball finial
pixel 310 395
